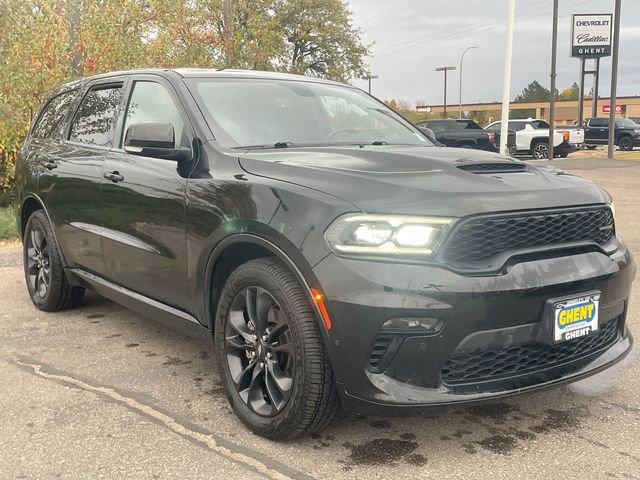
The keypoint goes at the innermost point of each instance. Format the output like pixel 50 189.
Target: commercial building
pixel 566 111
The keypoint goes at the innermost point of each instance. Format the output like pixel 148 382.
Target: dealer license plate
pixel 575 317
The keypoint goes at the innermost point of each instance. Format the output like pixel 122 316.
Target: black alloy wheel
pixel 271 357
pixel 47 283
pixel 259 351
pixel 38 264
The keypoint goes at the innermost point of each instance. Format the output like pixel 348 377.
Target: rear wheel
pixel 46 281
pixel 625 143
pixel 272 361
pixel 540 150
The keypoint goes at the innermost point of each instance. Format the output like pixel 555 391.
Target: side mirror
pixel 154 139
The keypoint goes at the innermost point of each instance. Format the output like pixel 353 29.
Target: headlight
pixel 386 234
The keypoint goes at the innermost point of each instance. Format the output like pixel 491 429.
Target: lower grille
pixel 488 365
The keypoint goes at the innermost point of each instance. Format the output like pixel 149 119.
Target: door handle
pixel 114 176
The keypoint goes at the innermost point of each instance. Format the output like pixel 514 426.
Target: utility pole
pixel 506 84
pixel 460 99
pixel 227 33
pixel 369 77
pixel 554 74
pixel 614 79
pixel 445 70
pixel 596 82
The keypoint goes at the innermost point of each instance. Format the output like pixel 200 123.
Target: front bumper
pixel 493 312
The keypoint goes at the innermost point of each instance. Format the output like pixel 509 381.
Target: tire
pixel 592 147
pixel 278 380
pixel 564 155
pixel 540 150
pixel 625 143
pixel 44 273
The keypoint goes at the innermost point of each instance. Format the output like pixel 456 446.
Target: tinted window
pixel 517 126
pixel 540 125
pixel 151 102
pixel 50 120
pixel 436 126
pixel 598 122
pixel 469 125
pixel 625 123
pixel 95 118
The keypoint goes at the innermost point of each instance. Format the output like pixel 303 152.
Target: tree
pixel 534 92
pixel 570 93
pixel 320 39
pixel 47 42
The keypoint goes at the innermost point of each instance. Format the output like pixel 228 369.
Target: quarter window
pixel 151 102
pixel 94 121
pixel 52 116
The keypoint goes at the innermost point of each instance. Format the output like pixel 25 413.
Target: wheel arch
pixel 30 204
pixel 536 140
pixel 236 249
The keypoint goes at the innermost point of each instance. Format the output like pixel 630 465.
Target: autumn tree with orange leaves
pixel 47 42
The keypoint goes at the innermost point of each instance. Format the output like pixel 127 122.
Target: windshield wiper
pixel 283 145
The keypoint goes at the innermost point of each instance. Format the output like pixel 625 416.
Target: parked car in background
pixel 431 136
pixel 330 252
pixel 463 134
pixel 532 138
pixel 635 120
pixel 627 133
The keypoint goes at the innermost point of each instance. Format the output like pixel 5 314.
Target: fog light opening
pixel 414 325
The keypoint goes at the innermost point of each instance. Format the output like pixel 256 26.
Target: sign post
pixel 591 36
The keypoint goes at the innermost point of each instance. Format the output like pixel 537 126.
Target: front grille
pixel 481 238
pixel 503 167
pixel 495 364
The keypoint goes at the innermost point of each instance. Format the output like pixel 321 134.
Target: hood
pixel 423 180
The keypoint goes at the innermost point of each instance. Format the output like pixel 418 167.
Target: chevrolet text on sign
pixel 591 35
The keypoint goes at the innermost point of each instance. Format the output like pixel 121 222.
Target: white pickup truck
pixel 532 138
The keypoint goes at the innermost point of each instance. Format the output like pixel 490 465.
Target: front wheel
pixel 272 361
pixel 540 151
pixel 43 270
pixel 625 143
pixel 592 147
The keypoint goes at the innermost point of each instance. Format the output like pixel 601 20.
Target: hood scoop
pixel 494 167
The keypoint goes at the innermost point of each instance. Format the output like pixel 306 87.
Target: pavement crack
pixel 250 459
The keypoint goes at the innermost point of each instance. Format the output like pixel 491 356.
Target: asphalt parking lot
pixel 101 392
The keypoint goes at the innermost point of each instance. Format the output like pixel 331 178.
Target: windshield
pixel 258 113
pixel 625 123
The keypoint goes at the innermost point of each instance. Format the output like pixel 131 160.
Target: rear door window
pixel 52 116
pixel 598 122
pixel 517 126
pixel 94 120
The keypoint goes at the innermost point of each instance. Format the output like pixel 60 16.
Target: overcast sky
pixel 412 37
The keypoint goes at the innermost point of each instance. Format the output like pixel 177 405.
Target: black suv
pixel 627 133
pixel 336 256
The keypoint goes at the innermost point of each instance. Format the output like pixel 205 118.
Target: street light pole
pixel 614 80
pixel 369 77
pixel 554 74
pixel 460 99
pixel 506 84
pixel 445 70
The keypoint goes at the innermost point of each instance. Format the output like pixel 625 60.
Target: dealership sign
pixel 591 35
